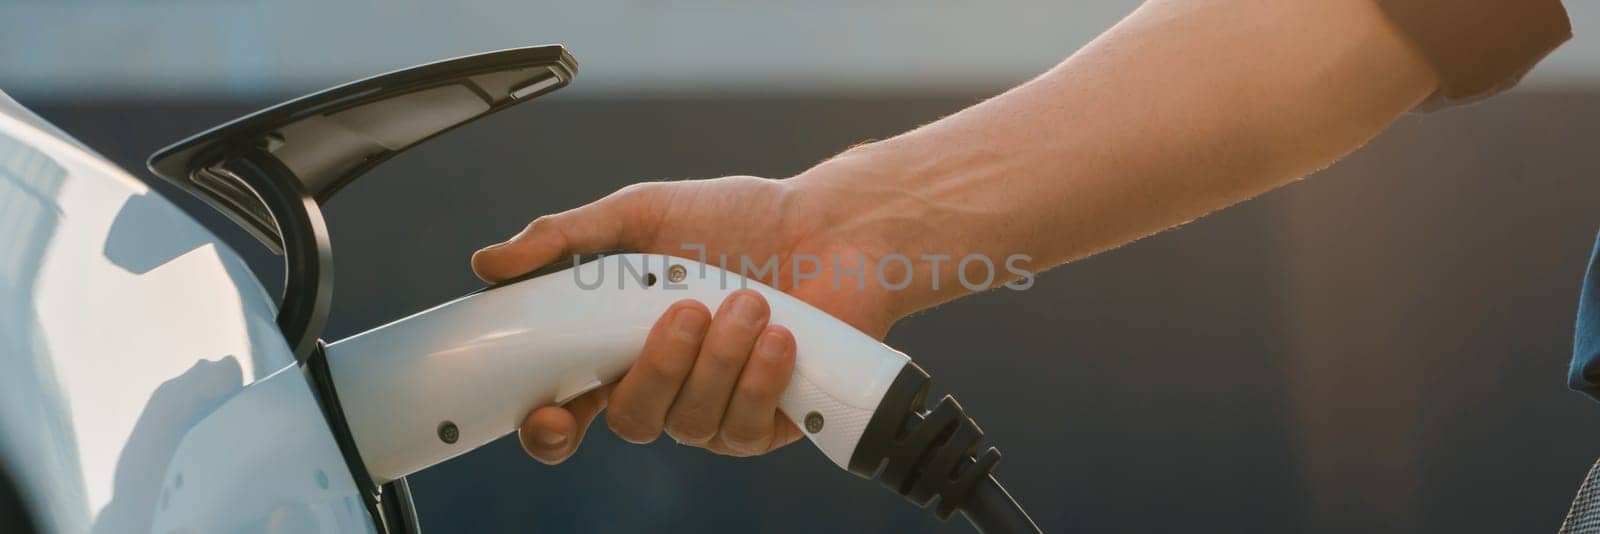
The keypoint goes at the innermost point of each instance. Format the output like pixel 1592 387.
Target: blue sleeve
pixel 1585 373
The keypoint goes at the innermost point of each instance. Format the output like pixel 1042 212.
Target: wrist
pixel 861 203
pixel 861 188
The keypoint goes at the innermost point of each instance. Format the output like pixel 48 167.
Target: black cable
pixel 922 454
pixel 991 509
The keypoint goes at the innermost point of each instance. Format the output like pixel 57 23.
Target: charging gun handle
pixel 447 380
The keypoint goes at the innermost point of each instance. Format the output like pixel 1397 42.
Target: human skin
pixel 1182 108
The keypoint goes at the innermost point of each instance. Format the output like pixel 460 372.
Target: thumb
pixel 552 433
pixel 614 222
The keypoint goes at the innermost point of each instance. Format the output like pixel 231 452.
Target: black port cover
pixel 329 138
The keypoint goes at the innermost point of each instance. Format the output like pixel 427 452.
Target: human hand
pixel 711 381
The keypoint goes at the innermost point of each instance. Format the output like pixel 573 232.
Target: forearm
pixel 1183 108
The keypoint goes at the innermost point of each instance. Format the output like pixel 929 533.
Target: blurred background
pixel 1380 348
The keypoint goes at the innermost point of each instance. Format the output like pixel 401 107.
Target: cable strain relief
pixel 921 454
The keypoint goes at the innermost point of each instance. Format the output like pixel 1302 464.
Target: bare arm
pixel 1183 108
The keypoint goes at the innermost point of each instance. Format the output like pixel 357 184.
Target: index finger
pixel 615 222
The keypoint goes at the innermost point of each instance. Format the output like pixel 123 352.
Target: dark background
pixel 1380 349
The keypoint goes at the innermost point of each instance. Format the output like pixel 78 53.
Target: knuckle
pixel 637 191
pixel 727 358
pixel 666 367
pixel 543 223
pixel 747 393
pixel 745 179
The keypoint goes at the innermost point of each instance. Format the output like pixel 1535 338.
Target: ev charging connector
pixel 428 387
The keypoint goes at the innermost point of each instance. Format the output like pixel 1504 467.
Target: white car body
pixel 128 336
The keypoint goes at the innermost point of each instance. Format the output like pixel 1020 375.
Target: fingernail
pixel 747 309
pixel 689 323
pixel 771 345
pixel 550 438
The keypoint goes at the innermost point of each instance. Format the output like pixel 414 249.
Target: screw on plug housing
pixel 677 273
pixel 448 432
pixel 814 422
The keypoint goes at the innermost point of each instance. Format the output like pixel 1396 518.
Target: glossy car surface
pixel 144 386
